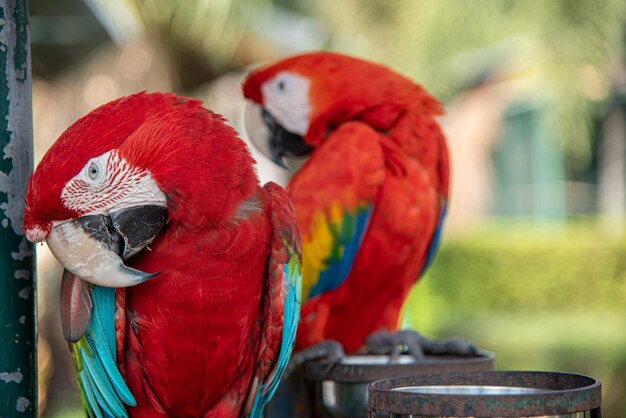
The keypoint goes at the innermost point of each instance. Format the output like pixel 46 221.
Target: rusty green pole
pixel 18 343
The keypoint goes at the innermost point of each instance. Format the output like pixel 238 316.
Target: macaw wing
pixel 281 301
pixel 335 241
pixel 334 195
pixel 103 391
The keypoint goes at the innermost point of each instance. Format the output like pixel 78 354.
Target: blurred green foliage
pixel 549 298
pixel 214 28
pixel 532 270
pixel 566 46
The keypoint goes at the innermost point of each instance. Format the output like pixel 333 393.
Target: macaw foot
pixel 411 342
pixel 328 351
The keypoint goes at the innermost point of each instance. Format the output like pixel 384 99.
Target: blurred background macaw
pixel 533 94
pixel 370 199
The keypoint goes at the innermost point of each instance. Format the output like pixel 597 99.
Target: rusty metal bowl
pixel 341 392
pixel 487 394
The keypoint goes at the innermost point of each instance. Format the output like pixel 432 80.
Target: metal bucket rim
pixel 367 373
pixel 551 401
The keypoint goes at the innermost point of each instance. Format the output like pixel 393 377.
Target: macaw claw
pixel 411 342
pixel 329 351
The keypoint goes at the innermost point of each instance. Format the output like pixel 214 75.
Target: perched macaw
pixel 370 199
pixel 181 291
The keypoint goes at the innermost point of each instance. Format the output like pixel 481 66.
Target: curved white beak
pixel 90 259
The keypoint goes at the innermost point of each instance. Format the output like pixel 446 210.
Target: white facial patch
pixel 109 182
pixel 286 97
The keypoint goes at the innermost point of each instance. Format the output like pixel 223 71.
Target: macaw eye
pixel 93 171
pixel 281 85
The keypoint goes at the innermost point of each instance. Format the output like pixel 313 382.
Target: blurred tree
pixel 565 45
pixel 208 38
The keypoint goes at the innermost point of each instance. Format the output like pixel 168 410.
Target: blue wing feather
pixel 292 279
pixel 95 385
pixel 434 242
pixel 103 323
pixel 92 363
pixel 86 385
pixel 103 388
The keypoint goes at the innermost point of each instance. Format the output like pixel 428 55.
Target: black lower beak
pixel 283 143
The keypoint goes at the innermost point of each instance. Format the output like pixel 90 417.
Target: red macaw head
pixel 111 181
pixel 296 102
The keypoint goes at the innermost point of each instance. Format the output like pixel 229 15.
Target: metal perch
pixel 18 348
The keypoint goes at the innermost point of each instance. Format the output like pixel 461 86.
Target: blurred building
pixel 509 160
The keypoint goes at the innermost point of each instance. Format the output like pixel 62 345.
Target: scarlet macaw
pixel 211 335
pixel 371 198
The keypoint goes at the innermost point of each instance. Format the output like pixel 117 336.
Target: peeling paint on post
pixel 18 349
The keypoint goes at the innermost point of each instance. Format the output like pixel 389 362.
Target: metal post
pixel 18 348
